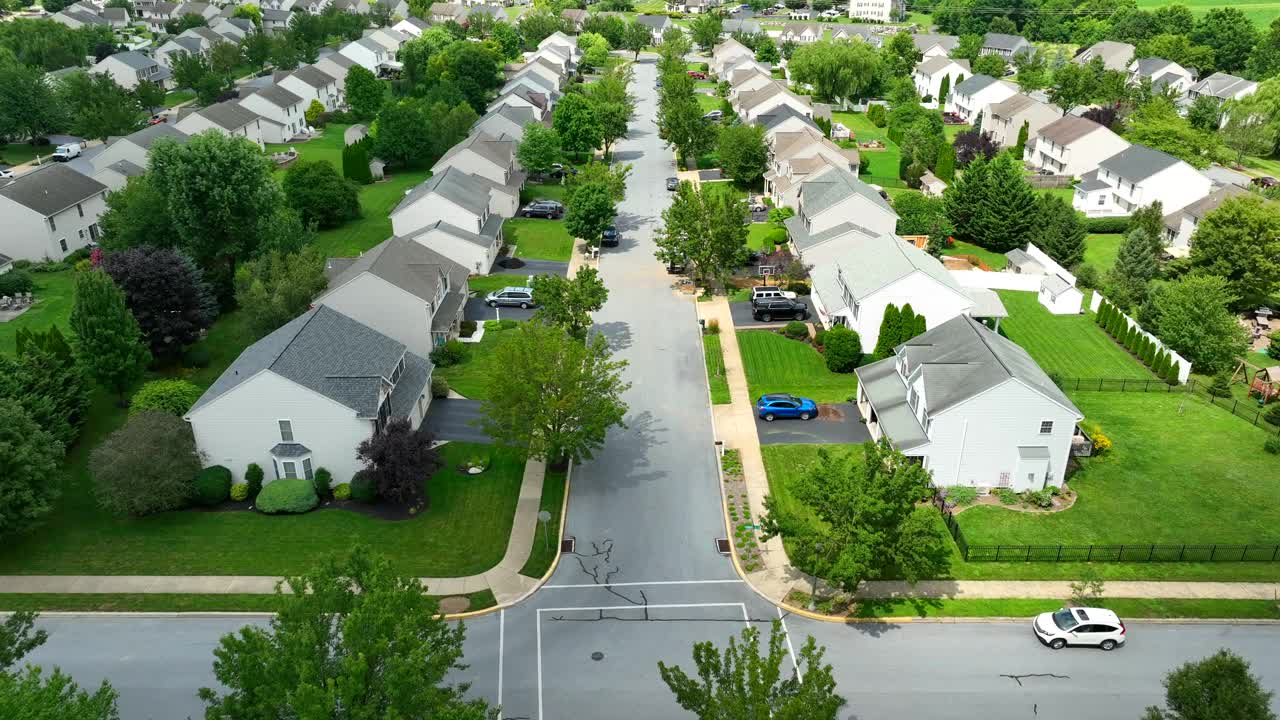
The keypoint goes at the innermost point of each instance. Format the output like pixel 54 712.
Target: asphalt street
pixel 645 513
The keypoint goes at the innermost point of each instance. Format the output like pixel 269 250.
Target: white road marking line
pixel 633 584
pixel 790 648
pixel 539 624
pixel 502 632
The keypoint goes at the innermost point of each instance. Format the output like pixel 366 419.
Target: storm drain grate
pixel 568 544
pixel 723 547
pixel 597 656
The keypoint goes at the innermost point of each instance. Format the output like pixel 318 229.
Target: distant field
pixel 1261 12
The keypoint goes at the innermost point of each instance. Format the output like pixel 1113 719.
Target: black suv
pixel 780 308
pixel 549 209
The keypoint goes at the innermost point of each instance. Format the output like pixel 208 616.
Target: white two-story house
pixel 1006 119
pixel 311 83
pixel 452 214
pixel 973 95
pixel 1136 177
pixel 128 156
pixel 973 407
pixel 129 69
pixel 1163 74
pixel 281 112
pixel 929 73
pixel 490 160
pixel 49 213
pixel 225 117
pixel 306 396
pixel 505 123
pixel 1072 146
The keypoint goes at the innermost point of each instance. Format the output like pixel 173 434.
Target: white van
pixel 64 153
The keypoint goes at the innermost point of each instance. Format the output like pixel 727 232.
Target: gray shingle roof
pixel 189 44
pixel 312 76
pixel 654 22
pixel 1148 67
pixel 1001 41
pixel 883 259
pixel 1138 162
pixel 975 84
pixel 1115 55
pixel 290 450
pixel 127 169
pixel 803 240
pixel 148 136
pixel 484 238
pixel 781 114
pixel 454 185
pixel 498 152
pixel 1011 106
pixel 135 60
pixel 228 115
pixel 924 41
pixel 520 116
pixel 830 188
pixel 276 15
pixel 1222 85
pixel 938 62
pixel 324 351
pixel 278 96
pixel 1067 129
pixel 408 265
pixel 883 385
pixel 52 188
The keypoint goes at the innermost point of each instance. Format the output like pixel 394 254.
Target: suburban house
pixel 881 270
pixel 1057 292
pixel 494 160
pixel 411 26
pixel 726 51
pixel 877 10
pixel 402 289
pixel 336 66
pixel 505 123
pixel 305 396
pixel 281 112
pixel 452 213
pixel 273 20
pixel 117 17
pixel 444 12
pixel 49 212
pixel 160 13
pixel 388 38
pixel 310 83
pixel 117 174
pixel 1072 146
pixel 192 45
pixel 1180 225
pixel 1162 74
pixel 931 46
pixel 129 69
pixel 730 26
pixel 801 33
pixel 797 158
pixel 741 72
pixel 553 56
pixel 227 117
pixel 493 11
pixel 232 30
pixel 1006 118
pixel 523 97
pixel 782 120
pixel 753 104
pixel 1222 86
pixel 929 73
pixel 575 17
pixel 860 33
pixel 1115 55
pixel 972 96
pixel 75 18
pixel 657 25
pixel 532 84
pixel 1006 46
pixel 369 54
pixel 1136 177
pixel 564 45
pixel 836 212
pixel 545 71
pixel 136 147
pixel 972 406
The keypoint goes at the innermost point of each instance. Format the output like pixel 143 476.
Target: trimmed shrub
pixel 16 281
pixel 962 494
pixel 842 349
pixel 439 387
pixel 713 327
pixel 799 288
pixel 1272 445
pixel 213 485
pixel 1171 375
pixel 1273 414
pixel 289 495
pixel 820 338
pixel 363 488
pixel 1114 225
pixel 796 330
pixel 168 396
pixel 1220 386
pixel 1038 498
pixel 1087 276
pixel 355 162
pixel 467 328
pixel 492 325
pixel 323 482
pixel 449 354
pixel 507 324
pixel 876 115
pixel 240 492
pixel 342 491
pixel 253 479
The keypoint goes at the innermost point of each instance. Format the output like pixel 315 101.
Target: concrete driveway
pixel 532 267
pixel 455 419
pixel 475 309
pixel 742 318
pixel 837 423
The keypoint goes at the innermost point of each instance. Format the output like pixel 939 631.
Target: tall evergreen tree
pixel 1022 139
pixel 890 328
pixel 1151 219
pixel 1062 231
pixel 943 91
pixel 1134 269
pixel 945 168
pixel 108 340
pixel 992 205
pixel 47 381
pixel 906 324
pixel 922 325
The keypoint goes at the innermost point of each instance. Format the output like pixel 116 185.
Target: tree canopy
pixel 1220 687
pixel 568 303
pixel 705 230
pixel 1240 242
pixel 835 69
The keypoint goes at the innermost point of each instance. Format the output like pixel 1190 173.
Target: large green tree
pixel 45 378
pixel 836 70
pixel 1192 316
pixel 539 149
pixel 166 293
pixel 574 119
pixel 1264 61
pixel 568 303
pixel 98 108
pixel 741 683
pixel 705 230
pixel 147 466
pixel 365 92
pixel 872 522
pixel 1135 268
pixel 636 38
pixel 1230 33
pixel 353 639
pixel 553 394
pixel 29 478
pixel 589 212
pixel 137 214
pixel 29 108
pixel 1240 242
pixel 1220 687
pixel 108 342
pixel 992 205
pixel 320 195
pixel 1158 125
pixel 743 153
pixel 474 68
pixel 705 30
pixel 277 287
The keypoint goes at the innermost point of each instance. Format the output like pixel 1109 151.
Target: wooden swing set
pixel 1264 381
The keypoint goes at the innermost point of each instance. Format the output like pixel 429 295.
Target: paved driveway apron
pixel 836 423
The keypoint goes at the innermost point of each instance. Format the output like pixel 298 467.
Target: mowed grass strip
pixel 546 541
pixel 1069 346
pixel 715 370
pixel 167 602
pixel 777 364
pixel 374 225
pixel 1180 472
pixel 539 239
pixel 470 378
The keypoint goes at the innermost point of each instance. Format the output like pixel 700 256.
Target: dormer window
pixel 395 374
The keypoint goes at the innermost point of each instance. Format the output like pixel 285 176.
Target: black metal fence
pixel 1248 410
pixel 1117 553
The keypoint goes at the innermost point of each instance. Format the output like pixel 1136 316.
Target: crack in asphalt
pixel 1018 678
pixel 602 554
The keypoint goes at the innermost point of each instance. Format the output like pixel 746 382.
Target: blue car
pixel 780 405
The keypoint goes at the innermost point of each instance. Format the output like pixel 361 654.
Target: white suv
pixel 765 292
pixel 1079 626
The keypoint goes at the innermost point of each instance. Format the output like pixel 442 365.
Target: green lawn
pixel 1100 251
pixel 327 147
pixel 538 239
pixel 18 153
pixel 1070 346
pixel 177 97
pixel 1261 12
pixel 1065 193
pixel 715 370
pixel 951 131
pixel 995 260
pixel 167 602
pixel 776 364
pixel 708 102
pixel 880 163
pixel 376 203
pixel 485 284
pixel 1180 472
pixel 464 531
pixel 468 378
pixel 53 296
pixel 757 233
pixel 547 541
pixel 542 191
pixel 1026 607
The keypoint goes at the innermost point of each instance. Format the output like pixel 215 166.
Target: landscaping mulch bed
pixel 830 412
pixel 1060 503
pixel 455 604
pixel 745 541
pixel 381 511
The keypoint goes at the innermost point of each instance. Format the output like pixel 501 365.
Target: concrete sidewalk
pixel 504 579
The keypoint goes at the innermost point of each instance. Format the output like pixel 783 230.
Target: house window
pixel 1102 199
pixel 290 469
pixel 53 225
pixel 306 468
pixel 63 244
pixel 1046 427
pixel 80 232
pixel 395 374
pixel 80 209
pixel 1005 480
pixel 286 431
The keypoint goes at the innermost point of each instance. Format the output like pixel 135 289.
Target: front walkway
pixel 504 579
pixel 736 428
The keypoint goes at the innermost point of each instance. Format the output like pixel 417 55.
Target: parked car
pixel 610 237
pixel 831 13
pixel 780 308
pixel 714 115
pixel 6 174
pixel 549 209
pixel 1266 181
pixel 697 75
pixel 66 152
pixel 521 297
pixel 558 170
pixel 782 405
pixel 673 184
pixel 755 203
pixel 158 119
pixel 1079 626
pixel 675 268
pixel 767 292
